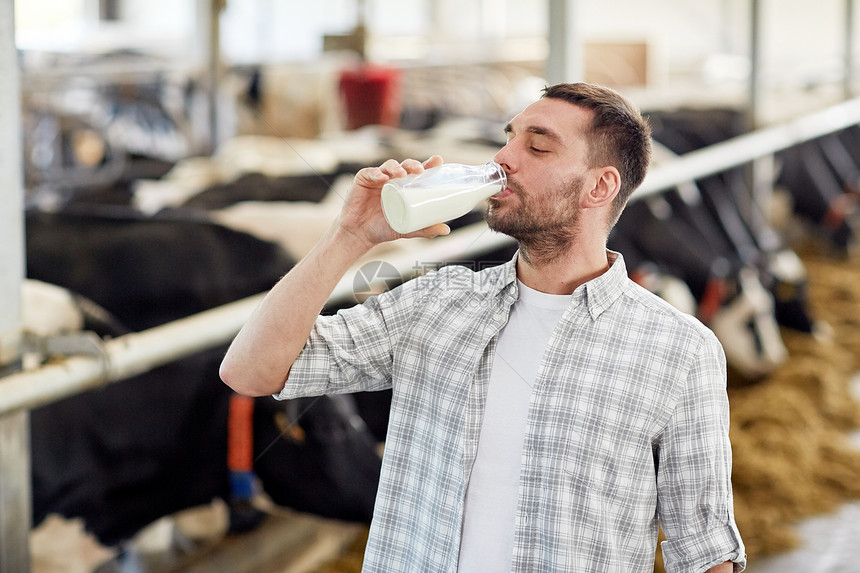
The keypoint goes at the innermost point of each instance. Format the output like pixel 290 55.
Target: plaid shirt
pixel 628 423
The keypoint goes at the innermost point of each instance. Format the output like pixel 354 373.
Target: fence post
pixel 566 60
pixel 15 490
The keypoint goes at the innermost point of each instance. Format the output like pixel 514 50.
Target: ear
pixel 606 184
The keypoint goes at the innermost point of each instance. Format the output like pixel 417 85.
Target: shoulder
pixel 646 306
pixel 679 342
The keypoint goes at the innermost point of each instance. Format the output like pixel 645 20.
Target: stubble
pixel 544 226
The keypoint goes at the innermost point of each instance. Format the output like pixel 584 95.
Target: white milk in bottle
pixel 439 194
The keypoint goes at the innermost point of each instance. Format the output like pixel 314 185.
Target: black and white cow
pixel 127 454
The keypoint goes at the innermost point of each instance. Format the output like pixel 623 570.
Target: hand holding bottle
pixel 362 214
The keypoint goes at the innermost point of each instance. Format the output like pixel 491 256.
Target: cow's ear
pixel 606 183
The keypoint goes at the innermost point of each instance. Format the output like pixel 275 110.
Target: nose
pixel 504 158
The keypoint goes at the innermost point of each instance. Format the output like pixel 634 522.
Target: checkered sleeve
pixel 695 505
pixel 347 352
pixel 352 351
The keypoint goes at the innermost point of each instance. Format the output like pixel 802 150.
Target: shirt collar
pixel 602 291
pixel 598 294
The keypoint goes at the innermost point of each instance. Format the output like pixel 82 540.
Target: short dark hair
pixel 620 136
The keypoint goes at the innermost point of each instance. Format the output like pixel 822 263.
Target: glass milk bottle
pixel 439 194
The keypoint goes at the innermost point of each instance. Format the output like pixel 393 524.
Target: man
pixel 546 413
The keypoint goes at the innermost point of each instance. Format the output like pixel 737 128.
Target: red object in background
pixel 371 95
pixel 240 434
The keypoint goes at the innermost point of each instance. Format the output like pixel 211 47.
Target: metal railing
pixel 15 496
pixel 139 352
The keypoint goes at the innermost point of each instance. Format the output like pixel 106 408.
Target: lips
pixel 503 193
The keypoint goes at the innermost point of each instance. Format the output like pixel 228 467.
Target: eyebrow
pixel 537 130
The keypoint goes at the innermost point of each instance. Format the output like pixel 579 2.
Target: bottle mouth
pixel 501 176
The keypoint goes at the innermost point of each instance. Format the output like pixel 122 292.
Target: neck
pixel 565 271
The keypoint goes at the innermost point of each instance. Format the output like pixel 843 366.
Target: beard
pixel 545 226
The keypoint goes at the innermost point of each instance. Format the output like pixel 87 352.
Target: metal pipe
pixel 755 87
pixel 11 189
pixel 848 51
pixel 565 61
pixel 208 58
pixel 123 357
pixel 214 72
pixel 752 175
pixel 745 148
pixel 136 353
pixel 15 494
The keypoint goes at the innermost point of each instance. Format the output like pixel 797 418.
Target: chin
pixel 499 226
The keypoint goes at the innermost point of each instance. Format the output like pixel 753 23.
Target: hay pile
pixel 792 457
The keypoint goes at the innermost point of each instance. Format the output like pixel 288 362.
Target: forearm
pixel 259 358
pixel 726 567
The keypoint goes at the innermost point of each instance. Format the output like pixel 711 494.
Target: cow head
pixel 746 326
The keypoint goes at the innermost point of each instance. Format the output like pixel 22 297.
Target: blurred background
pixel 164 158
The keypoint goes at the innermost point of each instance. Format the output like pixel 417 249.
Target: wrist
pixel 349 242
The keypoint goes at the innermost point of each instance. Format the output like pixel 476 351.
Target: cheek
pixel 566 191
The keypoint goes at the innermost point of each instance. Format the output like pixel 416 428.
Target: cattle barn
pixel 163 164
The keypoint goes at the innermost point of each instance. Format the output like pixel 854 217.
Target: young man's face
pixel 546 162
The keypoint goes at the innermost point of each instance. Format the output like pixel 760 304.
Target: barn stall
pixel 770 443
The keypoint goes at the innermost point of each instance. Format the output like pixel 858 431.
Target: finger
pixel 436 230
pixel 412 165
pixel 371 176
pixel 393 168
pixel 433 161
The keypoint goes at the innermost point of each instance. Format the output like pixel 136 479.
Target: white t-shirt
pixel 491 496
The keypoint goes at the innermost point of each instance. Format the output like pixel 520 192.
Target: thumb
pixel 439 229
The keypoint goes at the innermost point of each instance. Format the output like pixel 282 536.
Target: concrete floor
pixel 831 542
pixel 831 545
pixel 195 541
